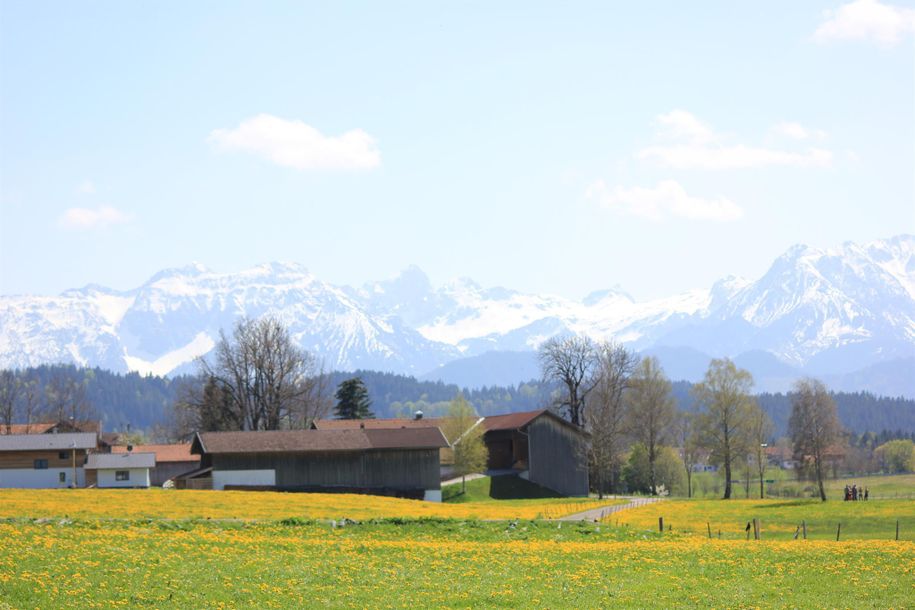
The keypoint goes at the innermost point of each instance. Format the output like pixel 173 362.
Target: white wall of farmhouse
pixel 136 477
pixel 45 478
pixel 221 478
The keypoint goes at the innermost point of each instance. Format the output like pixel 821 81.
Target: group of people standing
pixel 855 493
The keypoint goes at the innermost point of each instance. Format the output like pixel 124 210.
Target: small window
pixel 62 477
pixel 41 464
pixel 62 455
pixel 121 475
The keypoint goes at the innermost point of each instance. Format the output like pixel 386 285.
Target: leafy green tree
pixel 813 425
pixel 353 400
pixel 651 410
pixel 669 472
pixel 463 430
pixel 897 456
pixel 725 409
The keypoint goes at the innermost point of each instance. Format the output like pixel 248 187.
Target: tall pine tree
pixel 353 400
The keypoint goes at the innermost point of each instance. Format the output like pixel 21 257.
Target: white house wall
pixel 31 478
pixel 221 478
pixel 139 477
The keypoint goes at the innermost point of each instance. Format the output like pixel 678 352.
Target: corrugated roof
pixel 376 424
pixel 511 421
pixel 164 453
pixel 109 461
pixel 48 442
pixel 302 441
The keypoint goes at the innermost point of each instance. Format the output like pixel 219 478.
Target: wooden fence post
pixel 838 531
pixel 804 525
pixel 897 529
pixel 709 526
pixel 661 524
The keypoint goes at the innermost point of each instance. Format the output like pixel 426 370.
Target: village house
pixel 400 462
pixel 171 460
pixel 119 469
pixel 45 460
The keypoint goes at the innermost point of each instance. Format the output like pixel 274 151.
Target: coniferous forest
pixel 144 402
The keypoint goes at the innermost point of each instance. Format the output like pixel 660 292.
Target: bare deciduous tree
pixel 66 401
pixel 651 411
pixel 813 424
pixel 687 437
pixel 760 430
pixel 724 397
pixel 606 419
pixel 10 389
pixel 258 380
pixel 570 361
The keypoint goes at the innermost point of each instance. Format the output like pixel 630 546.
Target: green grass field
pixel 110 559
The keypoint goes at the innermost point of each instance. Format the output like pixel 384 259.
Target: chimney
pixel 418 415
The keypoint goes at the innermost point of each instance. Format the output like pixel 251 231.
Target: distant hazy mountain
pixel 847 314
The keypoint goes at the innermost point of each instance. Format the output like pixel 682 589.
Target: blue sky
pixel 553 147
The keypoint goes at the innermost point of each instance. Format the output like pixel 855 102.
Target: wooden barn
pixel 400 462
pixel 541 447
pixel 445 456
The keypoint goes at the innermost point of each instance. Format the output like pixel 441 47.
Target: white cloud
pixel 297 145
pixel 667 199
pixel 866 20
pixel 797 131
pixel 688 143
pixel 86 187
pixel 682 124
pixel 84 219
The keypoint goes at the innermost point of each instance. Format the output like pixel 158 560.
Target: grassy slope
pixel 500 489
pixel 432 564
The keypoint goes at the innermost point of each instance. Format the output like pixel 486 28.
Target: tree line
pixel 626 403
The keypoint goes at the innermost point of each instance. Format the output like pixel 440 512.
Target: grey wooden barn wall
pixel 392 469
pixel 557 457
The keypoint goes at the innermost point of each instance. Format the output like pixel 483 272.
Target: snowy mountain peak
pixel 614 293
pixel 846 307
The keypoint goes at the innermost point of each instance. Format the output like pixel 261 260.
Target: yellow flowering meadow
pixel 251 505
pixel 874 519
pixel 165 564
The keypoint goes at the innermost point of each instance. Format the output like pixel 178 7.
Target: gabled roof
pixel 51 427
pixel 511 421
pixel 113 461
pixel 36 428
pixel 522 419
pixel 164 453
pixel 305 441
pixel 376 424
pixel 48 442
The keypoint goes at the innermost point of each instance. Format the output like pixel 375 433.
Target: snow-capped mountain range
pixel 827 312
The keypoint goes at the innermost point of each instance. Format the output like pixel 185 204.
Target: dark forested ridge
pixel 146 401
